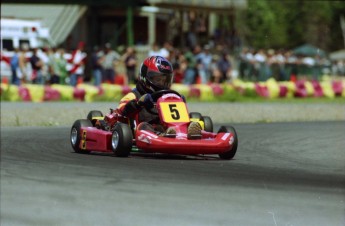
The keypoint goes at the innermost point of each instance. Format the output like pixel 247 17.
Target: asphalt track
pixel 283 174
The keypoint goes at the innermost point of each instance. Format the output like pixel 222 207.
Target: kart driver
pixel 156 73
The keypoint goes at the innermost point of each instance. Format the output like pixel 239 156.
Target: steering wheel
pixel 156 95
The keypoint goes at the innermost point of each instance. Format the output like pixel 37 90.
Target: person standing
pixel 130 61
pixel 204 59
pixel 96 63
pixel 58 65
pixel 190 71
pixel 165 50
pixel 62 66
pixel 36 65
pixel 77 64
pixel 154 51
pixel 216 74
pixel 224 66
pixel 43 53
pixel 54 77
pixel 111 57
pixel 15 68
pixel 24 65
pixel 260 65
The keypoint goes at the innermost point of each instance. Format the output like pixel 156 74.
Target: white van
pixel 16 33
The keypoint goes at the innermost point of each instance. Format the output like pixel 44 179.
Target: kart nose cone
pixel 115 140
pixel 74 136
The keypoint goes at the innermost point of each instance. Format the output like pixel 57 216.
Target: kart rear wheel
pixel 121 140
pixel 195 115
pixel 76 134
pixel 231 153
pixel 94 113
pixel 208 124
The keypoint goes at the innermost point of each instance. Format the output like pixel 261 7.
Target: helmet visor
pixel 160 80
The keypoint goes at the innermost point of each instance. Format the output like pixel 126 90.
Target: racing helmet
pixel 156 73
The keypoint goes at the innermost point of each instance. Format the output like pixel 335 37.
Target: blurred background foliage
pixel 290 23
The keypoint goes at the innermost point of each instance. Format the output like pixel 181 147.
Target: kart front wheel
pixel 231 153
pixel 76 134
pixel 195 115
pixel 121 140
pixel 208 124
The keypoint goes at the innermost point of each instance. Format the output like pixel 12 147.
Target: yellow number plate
pixel 174 112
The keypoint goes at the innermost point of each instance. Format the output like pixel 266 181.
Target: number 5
pixel 174 112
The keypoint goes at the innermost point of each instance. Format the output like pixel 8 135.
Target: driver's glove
pixel 146 101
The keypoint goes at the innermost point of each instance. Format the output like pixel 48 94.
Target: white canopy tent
pixel 338 55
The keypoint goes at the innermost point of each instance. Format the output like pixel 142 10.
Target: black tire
pixel 94 113
pixel 231 153
pixel 208 124
pixel 195 115
pixel 76 135
pixel 122 140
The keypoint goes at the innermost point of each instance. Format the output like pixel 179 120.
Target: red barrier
pixel 283 90
pixel 126 89
pixel 24 93
pixel 262 90
pixel 318 92
pixel 301 91
pixel 79 94
pixel 217 90
pixel 337 88
pixel 51 94
pixel 194 92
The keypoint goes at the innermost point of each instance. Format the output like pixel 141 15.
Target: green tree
pixel 259 24
pixel 287 24
pixel 336 33
pixel 316 20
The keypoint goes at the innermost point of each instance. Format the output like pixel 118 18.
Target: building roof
pixel 207 4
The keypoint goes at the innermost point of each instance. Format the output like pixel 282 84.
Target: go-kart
pixel 118 134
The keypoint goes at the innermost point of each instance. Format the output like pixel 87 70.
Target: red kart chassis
pixel 86 136
pixel 210 143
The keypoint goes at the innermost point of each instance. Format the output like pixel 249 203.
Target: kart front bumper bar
pixel 148 142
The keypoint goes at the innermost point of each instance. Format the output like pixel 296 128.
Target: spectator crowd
pixel 200 64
